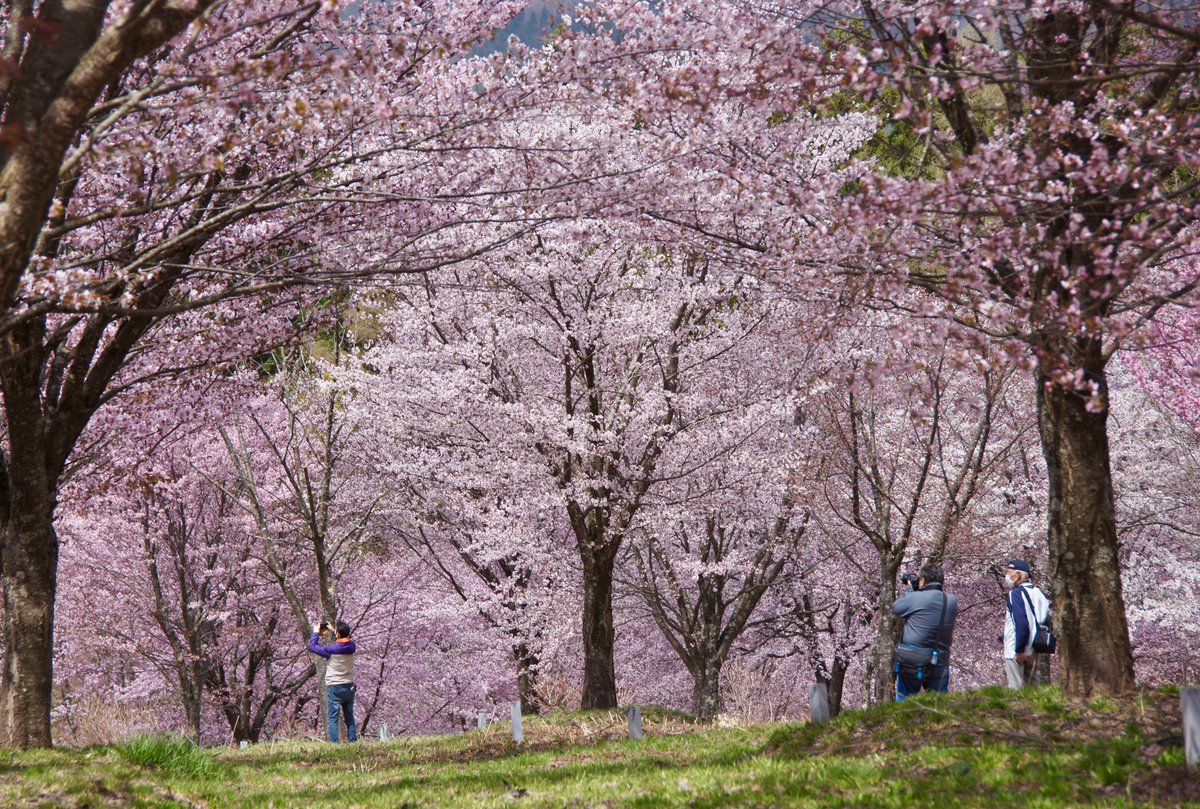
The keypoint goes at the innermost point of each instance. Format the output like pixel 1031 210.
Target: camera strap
pixel 937 636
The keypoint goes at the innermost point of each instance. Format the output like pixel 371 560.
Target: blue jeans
pixel 341 698
pixel 936 678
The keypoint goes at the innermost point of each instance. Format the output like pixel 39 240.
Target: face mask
pixel 1009 583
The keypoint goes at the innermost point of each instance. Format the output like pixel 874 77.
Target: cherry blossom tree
pixel 291 477
pixel 914 438
pixel 455 500
pixel 703 581
pixel 568 360
pixel 194 604
pixel 165 157
pixel 1063 139
pixel 726 523
pixel 823 620
pixel 193 583
pixel 508 583
pixel 1037 183
pixel 1155 460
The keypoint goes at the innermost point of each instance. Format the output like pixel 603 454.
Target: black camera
pixel 325 626
pixel 911 579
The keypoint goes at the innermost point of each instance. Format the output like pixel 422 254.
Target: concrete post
pixel 818 698
pixel 635 722
pixel 518 731
pixel 1189 702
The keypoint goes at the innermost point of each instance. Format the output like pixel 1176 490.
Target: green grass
pixel 987 748
pixel 168 755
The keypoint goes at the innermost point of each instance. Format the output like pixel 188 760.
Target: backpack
pixel 1043 638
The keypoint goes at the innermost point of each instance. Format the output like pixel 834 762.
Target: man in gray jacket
pixel 928 615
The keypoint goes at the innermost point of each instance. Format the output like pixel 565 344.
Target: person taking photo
pixel 339 676
pixel 922 658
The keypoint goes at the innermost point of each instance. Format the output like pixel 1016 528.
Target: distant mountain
pixel 530 26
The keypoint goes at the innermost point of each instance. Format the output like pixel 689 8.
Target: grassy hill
pixel 988 748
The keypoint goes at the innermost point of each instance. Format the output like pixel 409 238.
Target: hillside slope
pixel 988 748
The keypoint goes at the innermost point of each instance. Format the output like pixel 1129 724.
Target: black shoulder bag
pixel 1044 641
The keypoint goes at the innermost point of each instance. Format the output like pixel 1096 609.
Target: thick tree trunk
pixel 30 578
pixel 1085 574
pixel 599 672
pixel 29 557
pixel 239 723
pixel 706 690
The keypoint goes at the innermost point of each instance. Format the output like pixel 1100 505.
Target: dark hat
pixel 1019 564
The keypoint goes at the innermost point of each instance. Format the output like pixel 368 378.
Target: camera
pixel 325 626
pixel 910 579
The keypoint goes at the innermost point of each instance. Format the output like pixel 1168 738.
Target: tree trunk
pixel 28 545
pixel 706 690
pixel 1085 573
pixel 599 672
pixel 322 700
pixel 835 684
pixel 239 722
pixel 193 702
pixel 879 683
pixel 1041 670
pixel 527 682
pixel 30 578
pixel 29 557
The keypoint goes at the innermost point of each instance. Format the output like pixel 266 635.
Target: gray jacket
pixel 921 610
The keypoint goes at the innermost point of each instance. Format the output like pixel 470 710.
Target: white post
pixel 818 698
pixel 383 734
pixel 481 720
pixel 1189 703
pixel 635 722
pixel 518 732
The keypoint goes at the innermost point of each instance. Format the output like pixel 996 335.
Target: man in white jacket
pixel 1027 607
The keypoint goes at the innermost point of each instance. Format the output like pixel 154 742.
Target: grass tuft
pixel 168 754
